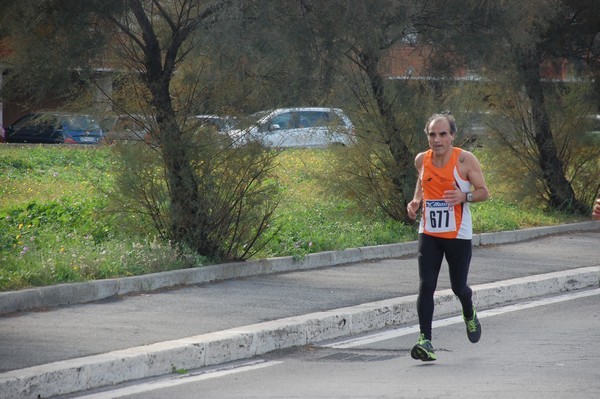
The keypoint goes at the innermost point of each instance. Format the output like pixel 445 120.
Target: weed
pixel 175 370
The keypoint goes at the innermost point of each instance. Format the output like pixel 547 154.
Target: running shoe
pixel 473 327
pixel 423 350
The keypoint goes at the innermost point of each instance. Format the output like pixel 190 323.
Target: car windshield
pixel 81 122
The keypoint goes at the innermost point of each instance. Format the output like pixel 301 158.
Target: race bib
pixel 439 216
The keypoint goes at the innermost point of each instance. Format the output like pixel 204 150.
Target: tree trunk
pixel 188 213
pixel 560 191
pixel 188 208
pixel 402 174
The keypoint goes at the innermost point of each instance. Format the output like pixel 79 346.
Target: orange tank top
pixel 438 218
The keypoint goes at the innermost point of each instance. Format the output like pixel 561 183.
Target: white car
pixel 297 127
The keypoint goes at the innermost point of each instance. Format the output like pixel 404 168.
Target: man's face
pixel 439 136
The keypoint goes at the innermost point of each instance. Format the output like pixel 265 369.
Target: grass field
pixel 56 223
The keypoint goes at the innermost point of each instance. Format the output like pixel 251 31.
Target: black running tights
pixel 431 253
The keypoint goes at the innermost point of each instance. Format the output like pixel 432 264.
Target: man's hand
pixel 412 208
pixel 455 196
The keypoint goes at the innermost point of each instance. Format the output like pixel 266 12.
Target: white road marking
pixel 402 331
pixel 180 380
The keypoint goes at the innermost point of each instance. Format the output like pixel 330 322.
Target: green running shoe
pixel 423 350
pixel 473 327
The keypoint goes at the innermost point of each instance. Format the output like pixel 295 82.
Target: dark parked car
pixel 54 128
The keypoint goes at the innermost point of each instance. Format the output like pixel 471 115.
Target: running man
pixel 449 179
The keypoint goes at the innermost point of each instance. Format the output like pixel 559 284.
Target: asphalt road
pixel 536 350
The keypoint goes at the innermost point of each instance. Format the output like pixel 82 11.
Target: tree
pixel 511 43
pixel 557 37
pixel 356 39
pixel 218 202
pixel 360 32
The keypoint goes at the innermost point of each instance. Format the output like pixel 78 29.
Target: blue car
pixel 54 128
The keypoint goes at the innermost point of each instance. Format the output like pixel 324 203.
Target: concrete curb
pixel 65 294
pixel 69 376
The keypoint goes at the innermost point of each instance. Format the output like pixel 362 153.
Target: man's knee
pixel 462 292
pixel 427 287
